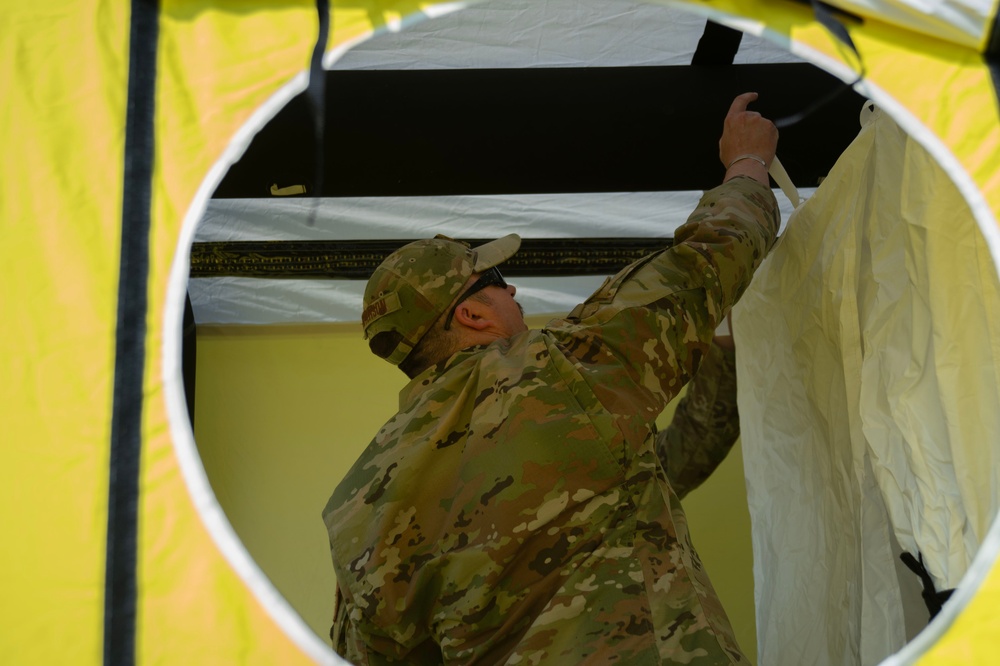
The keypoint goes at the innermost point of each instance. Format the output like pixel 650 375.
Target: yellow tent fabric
pixel 66 73
pixel 965 22
pixel 118 120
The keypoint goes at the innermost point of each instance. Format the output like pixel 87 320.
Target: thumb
pixel 741 102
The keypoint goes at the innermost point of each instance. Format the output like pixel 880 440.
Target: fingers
pixel 741 103
pixel 747 133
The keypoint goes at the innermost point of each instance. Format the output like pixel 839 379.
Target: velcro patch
pixel 380 308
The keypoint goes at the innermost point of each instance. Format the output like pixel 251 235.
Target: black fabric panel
pixel 718 46
pixel 126 426
pixel 316 93
pixel 527 131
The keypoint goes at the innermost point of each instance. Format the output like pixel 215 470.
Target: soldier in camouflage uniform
pixel 515 509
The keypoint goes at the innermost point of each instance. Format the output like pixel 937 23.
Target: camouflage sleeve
pixel 705 425
pixel 344 633
pixel 369 647
pixel 648 327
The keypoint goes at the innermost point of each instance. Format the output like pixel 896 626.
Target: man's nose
pixel 512 290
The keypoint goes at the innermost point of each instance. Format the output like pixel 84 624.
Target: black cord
pixel 933 599
pixel 826 16
pixel 316 94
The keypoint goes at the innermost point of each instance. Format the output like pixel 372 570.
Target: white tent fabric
pixel 869 365
pixel 231 300
pixel 553 33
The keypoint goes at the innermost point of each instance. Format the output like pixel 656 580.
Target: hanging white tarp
pixel 869 370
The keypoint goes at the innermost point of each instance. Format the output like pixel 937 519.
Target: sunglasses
pixel 490 278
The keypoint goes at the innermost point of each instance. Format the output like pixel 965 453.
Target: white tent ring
pixel 193 470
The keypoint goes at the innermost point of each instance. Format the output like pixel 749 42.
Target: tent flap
pixel 869 363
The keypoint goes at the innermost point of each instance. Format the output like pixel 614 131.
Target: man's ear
pixel 473 314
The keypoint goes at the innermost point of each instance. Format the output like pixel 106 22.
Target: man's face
pixel 509 313
pixel 492 291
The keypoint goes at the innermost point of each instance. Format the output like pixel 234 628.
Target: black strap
pixel 717 46
pixel 933 599
pixel 828 18
pixel 130 343
pixel 993 43
pixel 316 95
pixel 992 56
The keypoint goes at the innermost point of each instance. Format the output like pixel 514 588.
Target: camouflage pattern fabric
pixel 515 511
pixel 705 425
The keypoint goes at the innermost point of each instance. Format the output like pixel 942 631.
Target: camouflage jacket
pixel 705 424
pixel 515 511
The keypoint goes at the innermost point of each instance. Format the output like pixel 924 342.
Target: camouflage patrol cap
pixel 415 285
